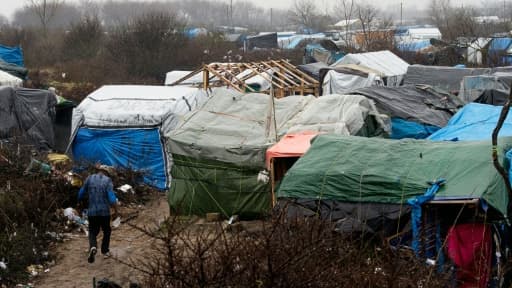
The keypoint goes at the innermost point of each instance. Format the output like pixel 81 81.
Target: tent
pixel 219 150
pixel 391 66
pixel 416 111
pixel 500 52
pixel 350 169
pixel 28 113
pixel 472 123
pixel 127 126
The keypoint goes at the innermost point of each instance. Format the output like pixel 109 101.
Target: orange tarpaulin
pixel 291 145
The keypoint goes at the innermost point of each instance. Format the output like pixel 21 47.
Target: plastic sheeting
pixel 13 55
pixel 375 170
pixel 13 69
pixel 474 122
pixel 340 114
pixel 291 145
pixel 7 79
pixel 133 107
pixel 447 78
pixel 473 87
pixel 138 149
pixel 29 112
pixel 401 129
pixel 420 104
pixel 392 66
pixel 342 83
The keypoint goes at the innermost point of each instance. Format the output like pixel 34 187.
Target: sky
pixel 7 7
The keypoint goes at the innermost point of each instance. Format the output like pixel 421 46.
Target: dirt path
pixel 72 270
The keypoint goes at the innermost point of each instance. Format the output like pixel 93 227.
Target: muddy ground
pixel 71 268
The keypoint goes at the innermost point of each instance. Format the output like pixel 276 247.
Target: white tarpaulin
pixel 126 106
pixel 339 114
pixel 341 83
pixel 392 66
pixel 7 79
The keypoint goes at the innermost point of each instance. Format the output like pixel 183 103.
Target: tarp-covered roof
pixel 230 127
pixel 448 78
pixel 383 61
pixel 474 122
pixel 29 111
pixel 137 106
pixel 419 103
pixel 339 114
pixel 364 170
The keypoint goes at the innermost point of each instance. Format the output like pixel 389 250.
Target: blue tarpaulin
pixel 473 122
pixel 401 129
pixel 413 46
pixel 498 51
pixel 13 55
pixel 137 149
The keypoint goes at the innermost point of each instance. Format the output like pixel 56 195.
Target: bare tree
pixel 45 10
pixel 303 13
pixel 346 8
pixel 366 15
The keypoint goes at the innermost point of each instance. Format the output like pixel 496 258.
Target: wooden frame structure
pixel 285 78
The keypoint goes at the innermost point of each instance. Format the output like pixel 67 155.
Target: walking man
pixel 98 189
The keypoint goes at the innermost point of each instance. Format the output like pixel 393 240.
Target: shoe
pixel 107 255
pixel 92 253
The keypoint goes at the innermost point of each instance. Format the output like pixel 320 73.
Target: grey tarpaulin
pixel 418 103
pixel 29 112
pixel 447 78
pixel 349 217
pixel 488 89
pixel 340 114
pixel 313 69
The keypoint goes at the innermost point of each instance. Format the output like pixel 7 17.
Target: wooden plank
pixel 281 75
pixel 226 81
pixel 306 76
pixel 292 72
pixel 188 76
pixel 262 75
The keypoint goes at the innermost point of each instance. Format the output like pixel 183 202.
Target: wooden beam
pixel 293 74
pixel 188 76
pixel 306 76
pixel 282 76
pixel 262 75
pixel 226 81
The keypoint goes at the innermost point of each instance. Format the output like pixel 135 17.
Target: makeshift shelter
pixel 7 79
pixel 415 111
pixel 28 113
pixel 218 153
pixel 362 170
pixel 392 67
pixel 473 122
pixel 500 52
pixel 278 78
pixel 62 123
pixel 347 78
pixel 128 126
pixel 486 89
pixel 447 78
pixel 261 41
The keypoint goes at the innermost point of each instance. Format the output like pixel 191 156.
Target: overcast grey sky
pixel 7 7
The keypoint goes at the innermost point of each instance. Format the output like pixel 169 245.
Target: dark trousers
pixel 95 223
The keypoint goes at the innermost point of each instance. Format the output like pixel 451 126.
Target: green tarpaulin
pixel 357 169
pixel 219 150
